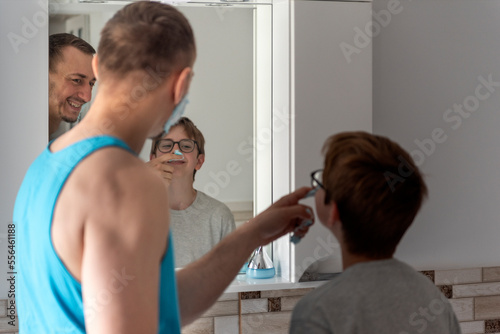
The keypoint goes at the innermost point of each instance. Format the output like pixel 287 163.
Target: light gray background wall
pixel 332 94
pixel 23 118
pixel 426 59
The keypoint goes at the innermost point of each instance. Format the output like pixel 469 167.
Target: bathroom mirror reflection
pixel 229 95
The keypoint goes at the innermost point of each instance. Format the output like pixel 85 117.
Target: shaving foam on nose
pixel 177 152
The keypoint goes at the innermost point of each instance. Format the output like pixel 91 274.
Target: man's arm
pixel 203 281
pixel 124 240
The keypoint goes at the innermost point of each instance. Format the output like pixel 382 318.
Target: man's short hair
pixel 57 42
pixel 146 36
pixel 377 188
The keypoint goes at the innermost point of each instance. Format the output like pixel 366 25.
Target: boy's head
pixel 192 132
pixel 146 36
pixel 377 190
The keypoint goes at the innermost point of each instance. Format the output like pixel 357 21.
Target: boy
pixel 368 195
pixel 198 221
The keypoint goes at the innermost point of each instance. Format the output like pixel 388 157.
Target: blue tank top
pixel 48 297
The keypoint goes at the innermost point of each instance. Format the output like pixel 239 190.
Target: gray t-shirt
pixel 378 297
pixel 199 228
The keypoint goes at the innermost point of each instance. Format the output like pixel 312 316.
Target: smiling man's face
pixel 70 85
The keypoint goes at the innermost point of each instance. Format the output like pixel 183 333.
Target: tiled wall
pixel 5 327
pixel 473 293
pixel 261 312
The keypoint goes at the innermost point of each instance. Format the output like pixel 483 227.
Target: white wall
pixel 331 93
pixel 221 100
pixel 24 115
pixel 428 58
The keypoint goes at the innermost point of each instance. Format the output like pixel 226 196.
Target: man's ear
pixel 181 87
pixel 95 62
pixel 201 160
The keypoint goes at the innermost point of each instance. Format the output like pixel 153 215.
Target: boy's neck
pixel 349 259
pixel 181 195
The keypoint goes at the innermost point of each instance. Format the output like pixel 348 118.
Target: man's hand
pixel 161 164
pixel 284 216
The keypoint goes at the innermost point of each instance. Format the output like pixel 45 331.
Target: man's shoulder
pixel 118 178
pixel 114 163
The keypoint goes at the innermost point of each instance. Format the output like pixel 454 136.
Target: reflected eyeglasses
pixel 316 176
pixel 167 145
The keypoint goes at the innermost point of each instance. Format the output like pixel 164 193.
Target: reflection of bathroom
pixel 221 97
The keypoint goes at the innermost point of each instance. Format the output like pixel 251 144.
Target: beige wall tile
pixel 254 305
pixel 464 308
pixel 229 307
pixel 487 307
pixel 473 290
pixel 268 323
pixel 200 326
pixel 491 274
pixel 228 296
pixel 284 293
pixel 472 327
pixel 288 303
pixel 448 277
pixel 5 327
pixel 226 325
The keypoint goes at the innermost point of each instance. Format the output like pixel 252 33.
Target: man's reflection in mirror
pixel 70 79
pixel 198 221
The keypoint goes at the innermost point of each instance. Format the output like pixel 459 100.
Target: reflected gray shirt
pixel 386 296
pixel 199 228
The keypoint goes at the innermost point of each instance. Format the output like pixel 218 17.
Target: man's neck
pixel 109 117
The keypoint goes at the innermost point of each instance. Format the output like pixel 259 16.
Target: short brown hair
pixel 377 188
pixel 147 36
pixel 57 42
pixel 193 133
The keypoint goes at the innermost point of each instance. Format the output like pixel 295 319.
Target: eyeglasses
pixel 316 176
pixel 167 145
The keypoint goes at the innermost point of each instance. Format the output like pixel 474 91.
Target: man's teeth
pixel 74 105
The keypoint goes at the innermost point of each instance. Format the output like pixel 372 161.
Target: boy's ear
pixel 95 62
pixel 333 216
pixel 201 160
pixel 181 86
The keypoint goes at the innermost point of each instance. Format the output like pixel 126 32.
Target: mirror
pixel 230 95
